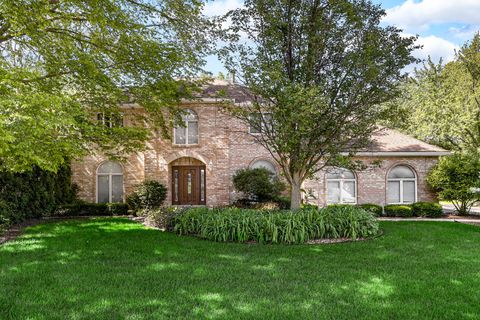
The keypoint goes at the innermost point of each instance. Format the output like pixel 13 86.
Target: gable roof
pixel 387 141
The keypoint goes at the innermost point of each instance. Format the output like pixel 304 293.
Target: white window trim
pixel 110 189
pixel 402 180
pixel 354 180
pixel 185 123
pixel 111 123
pixel 262 124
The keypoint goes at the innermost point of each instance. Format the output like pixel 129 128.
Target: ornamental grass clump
pixel 290 227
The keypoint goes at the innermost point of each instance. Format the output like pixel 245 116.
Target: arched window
pixel 341 186
pixel 109 182
pixel 401 185
pixel 264 164
pixel 186 132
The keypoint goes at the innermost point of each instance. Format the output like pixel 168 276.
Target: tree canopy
pixel 64 61
pixel 319 72
pixel 441 102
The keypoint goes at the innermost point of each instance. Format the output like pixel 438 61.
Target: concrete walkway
pixel 455 219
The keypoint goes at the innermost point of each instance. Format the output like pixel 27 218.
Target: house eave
pixel 401 153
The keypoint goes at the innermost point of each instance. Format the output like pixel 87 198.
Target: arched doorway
pixel 188 182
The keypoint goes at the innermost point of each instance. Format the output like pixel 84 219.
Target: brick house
pixel 198 165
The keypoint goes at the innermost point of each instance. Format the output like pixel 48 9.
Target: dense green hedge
pixel 33 194
pixel 243 225
pixel 398 210
pixel 376 209
pixel 373 208
pixel 93 209
pixel 427 209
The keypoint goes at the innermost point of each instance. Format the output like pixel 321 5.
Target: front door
pixel 188 185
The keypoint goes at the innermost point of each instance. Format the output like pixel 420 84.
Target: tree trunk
pixel 296 193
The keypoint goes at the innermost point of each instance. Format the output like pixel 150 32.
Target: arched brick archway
pixel 188 178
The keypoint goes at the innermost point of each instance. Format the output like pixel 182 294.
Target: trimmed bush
pixel 150 194
pixel 258 184
pixel 35 193
pixel 243 225
pixel 373 208
pixel 93 209
pixel 427 209
pixel 397 210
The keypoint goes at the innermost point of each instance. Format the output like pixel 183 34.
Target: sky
pixel 443 26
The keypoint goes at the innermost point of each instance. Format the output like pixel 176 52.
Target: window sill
pixel 185 145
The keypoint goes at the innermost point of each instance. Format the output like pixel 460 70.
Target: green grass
pixel 112 268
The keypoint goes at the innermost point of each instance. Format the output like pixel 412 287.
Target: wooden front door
pixel 188 185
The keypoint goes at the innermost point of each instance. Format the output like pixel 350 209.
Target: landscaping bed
pixel 268 226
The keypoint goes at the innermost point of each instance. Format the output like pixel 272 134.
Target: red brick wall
pixel 224 147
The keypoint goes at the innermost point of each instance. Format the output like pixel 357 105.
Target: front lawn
pixel 112 268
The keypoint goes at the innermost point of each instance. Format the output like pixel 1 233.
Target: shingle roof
pixel 225 89
pixel 389 140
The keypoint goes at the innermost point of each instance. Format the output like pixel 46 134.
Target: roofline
pixel 401 153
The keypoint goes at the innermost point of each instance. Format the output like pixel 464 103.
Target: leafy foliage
pixel 34 194
pixel 318 72
pixel 64 61
pixel 376 209
pixel 398 210
pixel 242 225
pixel 92 209
pixel 427 209
pixel 149 194
pixel 456 178
pixel 258 184
pixel 441 103
pixel 164 217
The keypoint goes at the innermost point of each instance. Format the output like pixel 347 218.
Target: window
pixel 109 182
pixel 110 121
pixel 341 186
pixel 401 185
pixel 264 164
pixel 257 124
pixel 187 131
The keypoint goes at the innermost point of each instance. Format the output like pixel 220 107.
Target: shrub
pixel 93 209
pixel 35 193
pixel 396 210
pixel 427 209
pixel 455 178
pixel 373 208
pixel 5 214
pixel 150 194
pixel 258 184
pixel 242 225
pixel 283 202
pixel 163 218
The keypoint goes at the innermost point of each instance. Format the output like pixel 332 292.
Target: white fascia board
pixel 400 154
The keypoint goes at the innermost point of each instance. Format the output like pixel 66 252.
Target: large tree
pixel 319 72
pixel 64 61
pixel 441 102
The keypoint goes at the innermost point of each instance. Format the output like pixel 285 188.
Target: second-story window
pixel 259 121
pixel 187 131
pixel 110 120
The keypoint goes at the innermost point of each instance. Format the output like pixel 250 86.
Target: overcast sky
pixel 442 25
